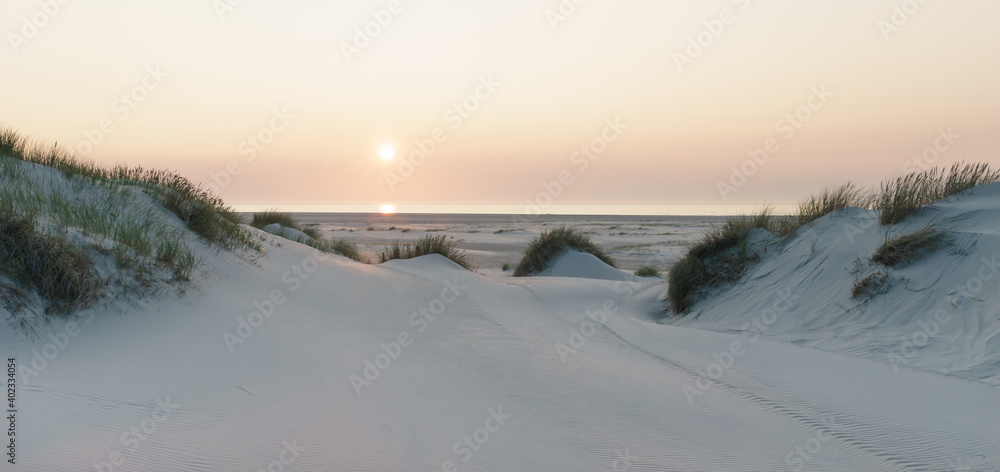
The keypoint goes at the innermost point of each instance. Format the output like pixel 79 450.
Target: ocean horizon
pixel 582 209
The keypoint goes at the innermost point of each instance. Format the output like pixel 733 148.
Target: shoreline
pixel 473 218
pixel 490 241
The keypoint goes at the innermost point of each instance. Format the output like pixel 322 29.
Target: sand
pixel 491 241
pixel 298 360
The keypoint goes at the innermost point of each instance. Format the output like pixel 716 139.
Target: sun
pixel 387 209
pixel 387 152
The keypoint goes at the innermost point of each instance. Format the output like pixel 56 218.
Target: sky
pixel 522 101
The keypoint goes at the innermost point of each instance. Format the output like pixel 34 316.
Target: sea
pixel 494 237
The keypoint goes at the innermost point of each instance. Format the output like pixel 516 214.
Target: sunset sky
pixel 293 101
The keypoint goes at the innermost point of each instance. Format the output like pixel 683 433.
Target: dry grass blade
pixel 907 248
pixel 904 195
pixel 830 200
pixel 871 285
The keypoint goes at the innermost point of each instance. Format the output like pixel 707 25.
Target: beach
pixel 494 240
pixel 284 356
pixel 518 236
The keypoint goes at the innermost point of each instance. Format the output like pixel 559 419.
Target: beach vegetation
pixel 871 285
pixel 338 246
pixel 269 217
pixel 549 244
pixel 424 246
pixel 203 212
pixel 906 248
pixel 830 200
pixel 647 271
pixel 904 195
pixel 721 256
pixel 62 273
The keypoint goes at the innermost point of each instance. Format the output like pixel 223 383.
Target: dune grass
pixel 86 214
pixel 15 299
pixel 721 256
pixel 543 248
pixel 907 248
pixel 426 245
pixel 344 248
pixel 647 271
pixel 269 217
pixel 60 271
pixel 873 284
pixel 904 195
pixel 103 211
pixel 830 200
pixel 12 143
pixel 202 211
pixel 336 246
pixel 963 176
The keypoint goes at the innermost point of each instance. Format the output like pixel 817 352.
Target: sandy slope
pixel 546 374
pixel 941 312
pixel 573 263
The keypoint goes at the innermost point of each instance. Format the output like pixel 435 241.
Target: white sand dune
pixel 941 312
pixel 314 362
pixel 572 263
pixel 288 233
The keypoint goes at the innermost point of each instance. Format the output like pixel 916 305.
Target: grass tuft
pixel 908 247
pixel 721 256
pixel 830 200
pixel 647 271
pixel 871 285
pixel 12 143
pixel 962 177
pixel 336 246
pixel 55 222
pixel 426 245
pixel 550 243
pixel 269 217
pixel 904 195
pixel 15 300
pixel 60 271
pixel 344 248
pixel 198 207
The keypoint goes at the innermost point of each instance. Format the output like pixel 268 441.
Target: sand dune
pixel 315 362
pixel 302 360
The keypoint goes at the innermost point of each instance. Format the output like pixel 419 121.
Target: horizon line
pixel 568 209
